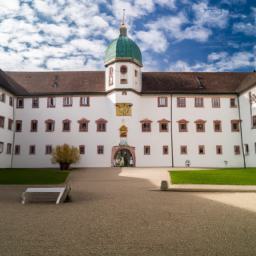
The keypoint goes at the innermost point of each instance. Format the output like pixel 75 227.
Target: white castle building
pixel 125 117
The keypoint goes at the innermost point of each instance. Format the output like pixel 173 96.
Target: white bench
pixel 37 195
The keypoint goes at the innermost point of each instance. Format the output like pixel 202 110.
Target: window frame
pixel 20 102
pixel 101 125
pixel 147 150
pixel 199 102
pixel 181 102
pixel 35 102
pixel 162 104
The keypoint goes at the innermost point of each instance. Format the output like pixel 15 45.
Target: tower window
pixel 123 81
pixel 111 76
pixel 136 73
pixel 123 69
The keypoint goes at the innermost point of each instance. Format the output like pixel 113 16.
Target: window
pixel 146 125
pixel 255 147
pixel 18 126
pixel 9 149
pixel 83 125
pixel 216 102
pixel 146 150
pixel 165 150
pixel 1 147
pixel 67 101
pixel 183 150
pixel 10 122
pixel 35 102
pixel 254 122
pixel 11 101
pixel 17 150
pixel 136 72
pixel 20 102
pixel 100 149
pixel 233 103
pixel 2 118
pixel 181 102
pixel 219 150
pixel 101 125
pixel 201 150
pixel 84 101
pixel 200 125
pixel 110 76
pixel 162 101
pixel 235 125
pixel 33 126
pixel 49 125
pixel 163 125
pixel 2 97
pixel 66 125
pixel 32 149
pixel 246 149
pixel 217 125
pixel 123 69
pixel 183 125
pixel 237 150
pixel 199 102
pixel 51 102
pixel 48 149
pixel 123 81
pixel 82 149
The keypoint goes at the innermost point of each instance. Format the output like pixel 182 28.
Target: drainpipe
pixel 171 134
pixel 241 131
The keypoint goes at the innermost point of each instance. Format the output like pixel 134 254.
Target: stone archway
pixel 117 149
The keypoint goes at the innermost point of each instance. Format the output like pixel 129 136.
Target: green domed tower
pixel 123 49
pixel 123 62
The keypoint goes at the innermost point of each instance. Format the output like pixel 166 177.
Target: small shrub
pixel 65 155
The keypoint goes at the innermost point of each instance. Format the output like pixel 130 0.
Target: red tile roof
pixel 76 82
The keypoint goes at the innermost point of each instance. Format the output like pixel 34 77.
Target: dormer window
pixel 123 69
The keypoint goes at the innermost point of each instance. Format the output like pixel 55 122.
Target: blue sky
pixel 173 35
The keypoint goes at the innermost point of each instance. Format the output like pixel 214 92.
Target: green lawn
pixel 32 176
pixel 218 176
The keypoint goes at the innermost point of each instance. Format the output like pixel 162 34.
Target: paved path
pixel 116 215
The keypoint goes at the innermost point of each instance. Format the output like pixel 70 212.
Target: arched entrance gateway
pixel 123 156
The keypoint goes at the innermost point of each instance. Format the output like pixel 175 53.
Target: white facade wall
pixel 209 138
pixel 6 136
pixel 133 82
pixel 100 107
pixel 249 134
pixel 143 107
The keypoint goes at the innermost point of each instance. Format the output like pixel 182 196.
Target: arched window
pixel 111 76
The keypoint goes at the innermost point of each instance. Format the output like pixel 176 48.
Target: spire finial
pixel 123 17
pixel 123 29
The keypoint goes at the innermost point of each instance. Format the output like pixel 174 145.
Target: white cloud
pixel 9 7
pixel 210 16
pixel 246 28
pixel 221 61
pixel 152 40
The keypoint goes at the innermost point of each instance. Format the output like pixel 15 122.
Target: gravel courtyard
pixel 112 214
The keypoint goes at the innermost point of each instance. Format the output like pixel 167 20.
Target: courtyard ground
pixel 115 213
